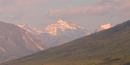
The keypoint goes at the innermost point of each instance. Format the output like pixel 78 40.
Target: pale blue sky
pixel 89 14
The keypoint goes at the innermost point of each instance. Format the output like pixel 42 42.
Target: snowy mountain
pixel 60 30
pixel 27 27
pixel 105 26
pixel 65 30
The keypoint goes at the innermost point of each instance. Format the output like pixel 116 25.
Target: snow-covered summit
pixel 30 29
pixel 60 26
pixel 105 26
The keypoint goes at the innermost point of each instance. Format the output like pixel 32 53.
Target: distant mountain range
pixel 60 32
pixel 107 47
pixel 16 42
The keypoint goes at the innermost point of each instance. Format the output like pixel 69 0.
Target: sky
pixel 89 14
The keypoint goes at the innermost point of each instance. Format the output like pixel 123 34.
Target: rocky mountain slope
pixel 60 30
pixel 108 47
pixel 16 42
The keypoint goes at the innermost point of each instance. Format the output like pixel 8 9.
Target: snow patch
pixel 28 36
pixel 40 47
pixel 11 41
pixel 2 49
pixel 27 44
pixel 30 29
pixel 106 26
pixel 21 25
pixel 103 27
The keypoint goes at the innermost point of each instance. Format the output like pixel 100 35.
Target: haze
pixel 89 14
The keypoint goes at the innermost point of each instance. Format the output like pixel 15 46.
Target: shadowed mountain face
pixel 108 47
pixel 54 41
pixel 16 42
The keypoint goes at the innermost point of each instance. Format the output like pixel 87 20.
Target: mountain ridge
pixel 16 42
pixel 62 30
pixel 52 29
pixel 27 27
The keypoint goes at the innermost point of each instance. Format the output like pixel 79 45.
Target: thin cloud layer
pixel 20 2
pixel 18 14
pixel 15 10
pixel 105 7
pixel 24 2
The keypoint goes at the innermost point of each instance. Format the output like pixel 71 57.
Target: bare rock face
pixel 16 42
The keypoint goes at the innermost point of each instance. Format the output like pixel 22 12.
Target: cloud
pixel 25 2
pixel 18 13
pixel 105 7
pixel 20 2
pixel 20 16
pixel 13 13
pixel 11 10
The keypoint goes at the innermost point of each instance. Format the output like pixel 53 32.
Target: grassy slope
pixel 108 47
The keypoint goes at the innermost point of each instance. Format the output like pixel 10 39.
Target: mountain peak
pixel 64 25
pixel 21 25
pixel 27 27
pixel 60 21
pixel 105 26
pixel 60 26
